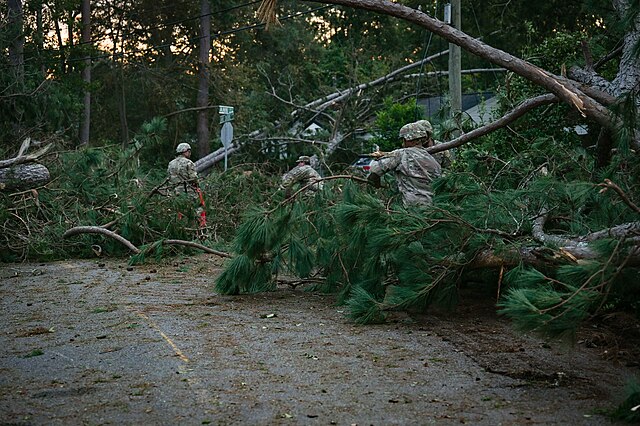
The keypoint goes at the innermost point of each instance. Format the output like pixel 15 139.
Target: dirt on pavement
pixel 98 342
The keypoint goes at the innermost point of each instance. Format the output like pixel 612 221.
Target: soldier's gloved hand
pixel 374 180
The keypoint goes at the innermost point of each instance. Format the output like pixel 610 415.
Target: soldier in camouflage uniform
pixel 304 174
pixel 183 179
pixel 443 157
pixel 182 172
pixel 413 166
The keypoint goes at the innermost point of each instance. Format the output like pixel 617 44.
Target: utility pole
pixel 455 79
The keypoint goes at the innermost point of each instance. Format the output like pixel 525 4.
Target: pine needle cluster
pixel 374 258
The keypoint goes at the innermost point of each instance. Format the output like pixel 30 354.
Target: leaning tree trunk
pixel 120 82
pixel 566 90
pixel 588 98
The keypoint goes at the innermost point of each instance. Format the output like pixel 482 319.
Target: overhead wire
pixel 427 45
pixel 480 35
pixel 192 18
pixel 420 72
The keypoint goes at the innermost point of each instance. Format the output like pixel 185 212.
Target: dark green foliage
pixel 243 275
pixel 93 187
pixel 391 117
pixel 359 261
pixel 546 310
pixel 364 308
pixel 556 305
pixel 375 255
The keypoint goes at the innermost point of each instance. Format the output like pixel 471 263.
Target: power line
pixel 427 44
pixel 475 17
pixel 62 49
pixel 219 34
pixel 181 21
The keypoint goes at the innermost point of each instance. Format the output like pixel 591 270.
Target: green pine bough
pixel 378 257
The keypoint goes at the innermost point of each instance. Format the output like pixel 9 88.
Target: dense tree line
pixel 145 56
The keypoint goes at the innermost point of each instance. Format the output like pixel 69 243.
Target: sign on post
pixel 226 136
pixel 226 133
pixel 226 113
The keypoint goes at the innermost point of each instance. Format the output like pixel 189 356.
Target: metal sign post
pixel 226 133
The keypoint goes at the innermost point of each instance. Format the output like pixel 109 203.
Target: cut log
pixel 23 176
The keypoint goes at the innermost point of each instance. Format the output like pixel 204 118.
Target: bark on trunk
pixel 86 72
pixel 39 36
pixel 23 176
pixel 120 83
pixel 203 78
pixel 16 41
pixel 58 31
pixel 603 148
pixel 628 75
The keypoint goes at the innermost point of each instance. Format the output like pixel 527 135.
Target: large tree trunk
pixel 16 41
pixel 71 19
pixel 566 90
pixel 58 31
pixel 86 72
pixel 162 36
pixel 628 75
pixel 203 78
pixel 120 84
pixel 39 36
pixel 590 101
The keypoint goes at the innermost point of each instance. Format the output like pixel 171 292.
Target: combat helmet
pixel 416 130
pixel 183 147
pixel 304 159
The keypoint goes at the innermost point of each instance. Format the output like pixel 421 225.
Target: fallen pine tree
pixel 378 256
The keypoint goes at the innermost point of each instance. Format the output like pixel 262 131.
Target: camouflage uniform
pixel 422 129
pixel 303 174
pixel 414 169
pixel 184 180
pixel 445 158
pixel 183 176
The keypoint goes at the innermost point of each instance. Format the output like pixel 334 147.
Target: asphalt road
pixel 92 342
